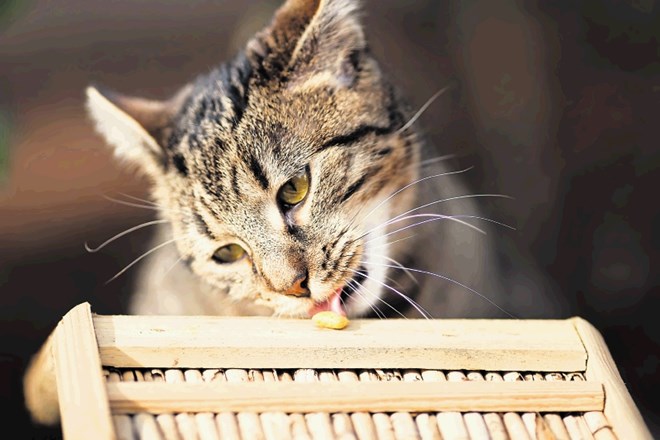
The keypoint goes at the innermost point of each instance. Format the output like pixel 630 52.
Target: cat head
pixel 275 169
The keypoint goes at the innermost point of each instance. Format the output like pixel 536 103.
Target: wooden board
pixel 157 398
pixel 81 343
pixel 620 409
pixel 80 386
pixel 253 342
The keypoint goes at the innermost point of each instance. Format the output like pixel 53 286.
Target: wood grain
pixel 83 402
pixel 134 397
pixel 254 342
pixel 39 387
pixel 620 409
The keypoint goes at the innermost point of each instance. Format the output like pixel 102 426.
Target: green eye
pixel 229 253
pixel 295 190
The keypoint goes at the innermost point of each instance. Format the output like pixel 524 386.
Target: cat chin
pixel 284 307
pixel 304 308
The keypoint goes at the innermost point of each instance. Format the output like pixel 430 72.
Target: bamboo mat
pixel 357 425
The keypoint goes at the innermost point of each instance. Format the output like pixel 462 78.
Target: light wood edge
pixel 82 396
pixel 39 387
pixel 157 398
pixel 168 342
pixel 620 409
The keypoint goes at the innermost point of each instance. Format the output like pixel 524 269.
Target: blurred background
pixel 556 103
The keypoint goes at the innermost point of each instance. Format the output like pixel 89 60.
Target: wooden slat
pixel 39 387
pixel 133 397
pixel 620 409
pixel 83 402
pixel 254 342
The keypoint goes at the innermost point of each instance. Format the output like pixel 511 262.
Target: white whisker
pixel 410 301
pixel 149 252
pixel 422 109
pixel 169 269
pixel 138 199
pixel 436 159
pixel 435 217
pixel 449 199
pixel 392 242
pixel 135 205
pixel 121 234
pixel 356 290
pixel 422 179
pixel 451 281
pixel 401 266
pixel 378 312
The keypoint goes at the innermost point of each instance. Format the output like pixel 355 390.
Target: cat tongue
pixel 333 304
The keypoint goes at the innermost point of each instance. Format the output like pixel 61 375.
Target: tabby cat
pixel 292 179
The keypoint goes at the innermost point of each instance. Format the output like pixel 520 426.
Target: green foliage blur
pixel 10 9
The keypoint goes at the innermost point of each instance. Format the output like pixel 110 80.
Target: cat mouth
pixel 340 298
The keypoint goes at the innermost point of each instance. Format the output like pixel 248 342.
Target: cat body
pixel 290 180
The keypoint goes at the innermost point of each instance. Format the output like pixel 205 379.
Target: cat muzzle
pixel 299 288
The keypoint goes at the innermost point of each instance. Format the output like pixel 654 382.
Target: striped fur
pixel 306 93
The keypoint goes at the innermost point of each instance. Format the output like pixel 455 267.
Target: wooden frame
pixel 82 343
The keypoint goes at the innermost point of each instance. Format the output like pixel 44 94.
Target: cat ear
pixel 309 37
pixel 134 126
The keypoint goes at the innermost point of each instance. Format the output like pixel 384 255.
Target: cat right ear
pixel 134 126
pixel 311 37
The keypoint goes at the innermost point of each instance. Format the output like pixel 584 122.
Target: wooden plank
pixel 39 386
pixel 134 397
pixel 620 409
pixel 257 342
pixel 83 401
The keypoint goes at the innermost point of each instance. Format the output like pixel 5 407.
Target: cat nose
pixel 299 287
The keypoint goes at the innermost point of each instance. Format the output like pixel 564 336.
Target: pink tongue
pixel 333 303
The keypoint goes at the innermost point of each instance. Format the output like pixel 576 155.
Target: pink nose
pixel 299 287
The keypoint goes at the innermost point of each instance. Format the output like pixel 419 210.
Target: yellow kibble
pixel 328 319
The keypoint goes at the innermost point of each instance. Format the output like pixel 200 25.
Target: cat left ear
pixel 134 126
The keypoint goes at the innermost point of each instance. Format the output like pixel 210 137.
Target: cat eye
pixel 295 190
pixel 228 254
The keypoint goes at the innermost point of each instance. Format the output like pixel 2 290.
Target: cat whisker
pixel 435 217
pixel 138 199
pixel 144 255
pixel 406 271
pixel 351 283
pixel 169 269
pixel 449 199
pixel 409 300
pixel 121 234
pixel 356 290
pixel 134 205
pixel 145 204
pixel 434 160
pixel 422 109
pixel 413 183
pixel 393 281
pixel 484 297
pixel 392 242
pixel 372 305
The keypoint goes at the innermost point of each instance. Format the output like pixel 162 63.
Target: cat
pixel 294 178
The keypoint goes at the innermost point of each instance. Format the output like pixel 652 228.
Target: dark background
pixel 556 103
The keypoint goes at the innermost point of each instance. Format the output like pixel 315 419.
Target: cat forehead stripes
pixel 265 165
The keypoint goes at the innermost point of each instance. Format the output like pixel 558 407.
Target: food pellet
pixel 329 319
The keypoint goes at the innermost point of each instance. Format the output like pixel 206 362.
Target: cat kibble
pixel 329 319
